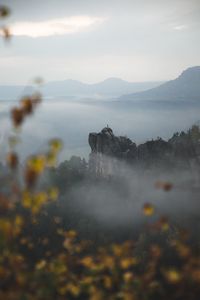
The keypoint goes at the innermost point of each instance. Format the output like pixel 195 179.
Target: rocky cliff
pixel 107 150
pixel 107 143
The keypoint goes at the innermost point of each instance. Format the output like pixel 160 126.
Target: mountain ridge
pixel 110 87
pixel 186 85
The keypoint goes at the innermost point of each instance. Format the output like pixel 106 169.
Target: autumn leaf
pixel 148 209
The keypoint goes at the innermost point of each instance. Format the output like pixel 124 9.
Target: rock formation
pixel 107 150
pixel 107 143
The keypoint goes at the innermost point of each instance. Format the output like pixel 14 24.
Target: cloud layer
pixel 61 26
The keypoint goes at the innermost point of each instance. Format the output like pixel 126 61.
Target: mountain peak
pixel 190 73
pixel 184 87
pixel 110 79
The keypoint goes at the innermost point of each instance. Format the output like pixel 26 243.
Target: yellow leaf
pixel 56 145
pixel 128 276
pixel 125 263
pixel 26 199
pixel 148 209
pixel 41 264
pixel 172 276
pixel 36 163
pixel 73 289
pixel 40 198
pixel 18 220
pixel 87 262
pixel 53 193
pixel 107 282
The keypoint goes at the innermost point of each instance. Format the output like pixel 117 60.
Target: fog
pixel 137 187
pixel 112 207
pixel 72 122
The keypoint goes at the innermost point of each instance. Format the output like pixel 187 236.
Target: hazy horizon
pixel 31 81
pixel 91 82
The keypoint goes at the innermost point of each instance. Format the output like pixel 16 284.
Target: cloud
pixel 180 27
pixel 54 27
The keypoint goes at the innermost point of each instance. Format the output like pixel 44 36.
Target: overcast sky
pixel 90 40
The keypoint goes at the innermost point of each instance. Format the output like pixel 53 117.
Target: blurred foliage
pixel 4 29
pixel 4 11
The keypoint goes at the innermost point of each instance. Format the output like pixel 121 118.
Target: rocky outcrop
pixel 107 143
pixel 107 150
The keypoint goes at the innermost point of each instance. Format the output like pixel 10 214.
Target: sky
pixel 91 40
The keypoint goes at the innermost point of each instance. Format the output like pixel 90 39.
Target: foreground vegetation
pixel 41 259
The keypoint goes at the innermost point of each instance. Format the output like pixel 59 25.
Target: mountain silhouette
pixel 186 88
pixel 111 87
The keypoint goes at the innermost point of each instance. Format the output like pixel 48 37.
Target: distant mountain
pixel 186 88
pixel 111 87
